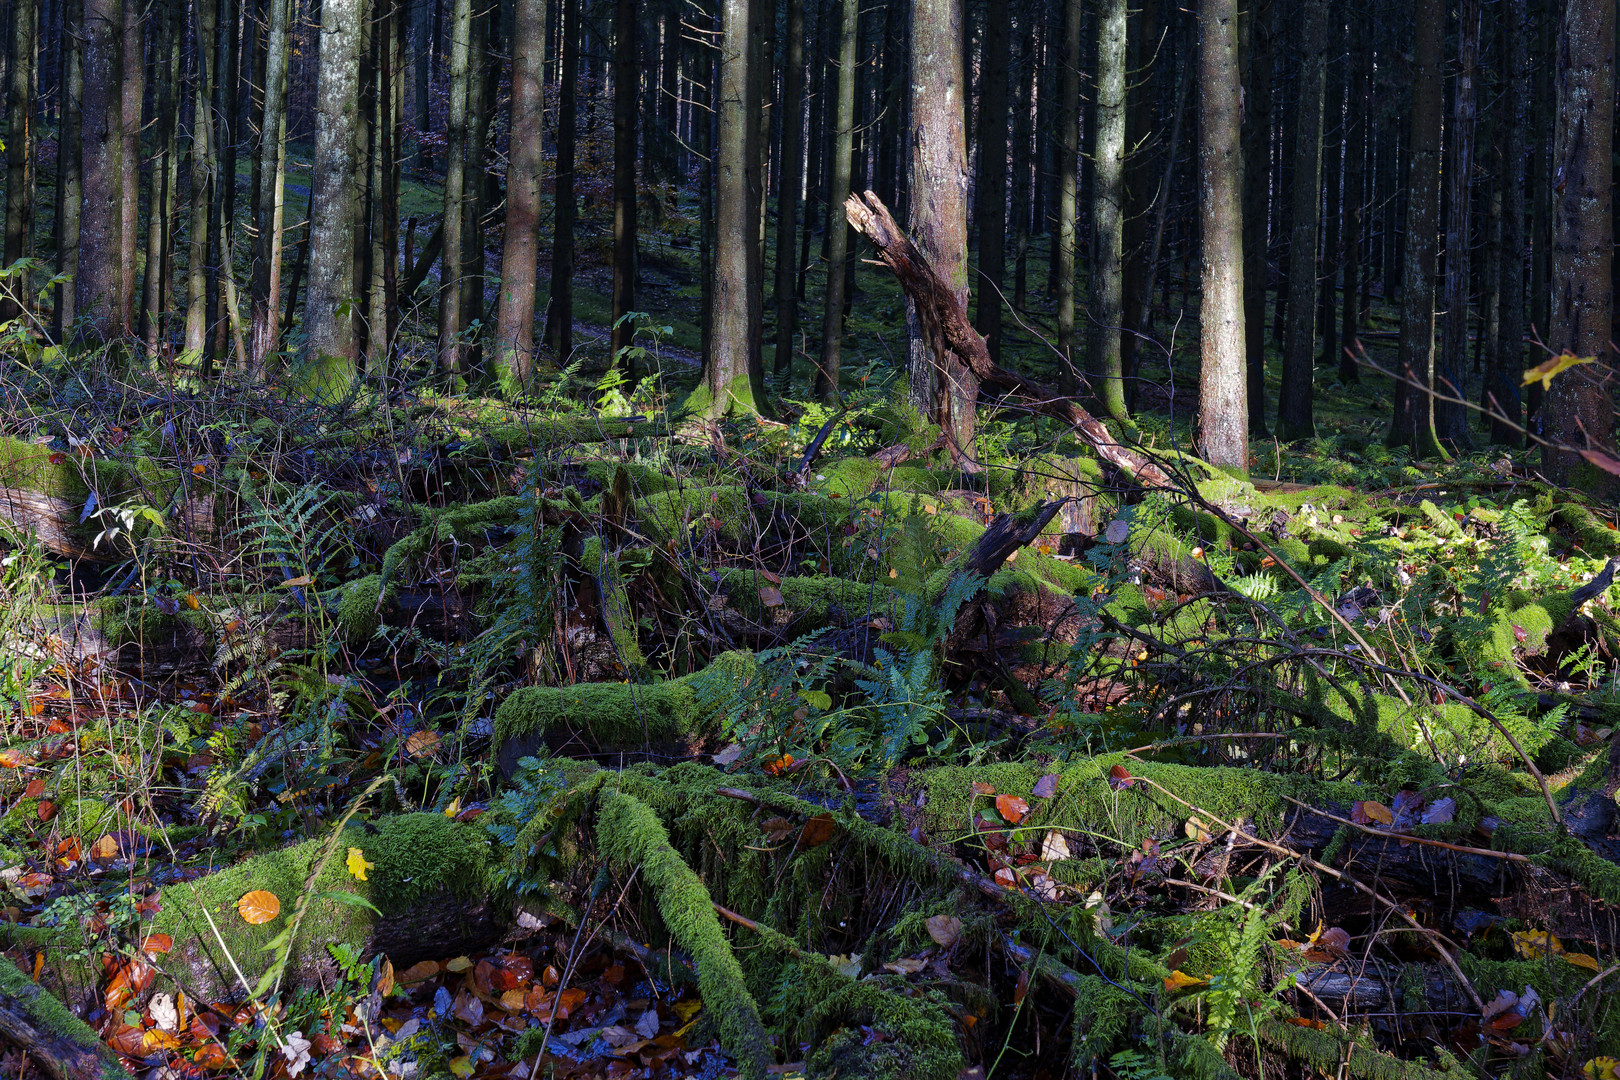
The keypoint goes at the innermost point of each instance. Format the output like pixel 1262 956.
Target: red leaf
pixel 1120 777
pixel 1012 808
pixel 1602 461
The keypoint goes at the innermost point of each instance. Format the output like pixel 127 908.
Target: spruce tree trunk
pixel 133 85
pixel 331 343
pixel 1414 366
pixel 1332 196
pixel 19 152
pixel 520 249
pixel 1222 388
pixel 1143 139
pixel 626 96
pixel 202 170
pixel 1106 366
pixel 1257 207
pixel 832 324
pixel 790 180
pixel 265 303
pixel 452 350
pixel 68 185
pixel 990 193
pixel 1500 396
pixel 1451 416
pixel 1065 145
pixel 1023 115
pixel 1294 404
pixel 421 33
pixel 1358 121
pixel 170 17
pixel 1579 407
pixel 99 285
pixel 560 305
pixel 730 384
pixel 942 387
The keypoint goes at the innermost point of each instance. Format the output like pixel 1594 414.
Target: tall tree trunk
pixel 331 343
pixel 1257 207
pixel 1065 145
pixel 421 31
pixel 68 185
pixel 170 15
pixel 942 387
pixel 133 41
pixel 560 305
pixel 1327 287
pixel 1579 408
pixel 730 384
pixel 790 180
pixel 1106 366
pixel 626 95
pixel 1023 116
pixel 1222 388
pixel 1358 122
pixel 990 193
pixel 202 170
pixel 520 250
pixel 266 283
pixel 1500 397
pixel 1294 404
pixel 19 151
pixel 832 326
pixel 1451 416
pixel 99 285
pixel 452 349
pixel 1414 366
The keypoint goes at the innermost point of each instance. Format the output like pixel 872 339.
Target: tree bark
pixel 19 152
pixel 101 272
pixel 520 250
pixel 68 185
pixel 1106 364
pixel 832 324
pixel 560 304
pixel 790 179
pixel 1294 400
pixel 266 283
pixel 133 86
pixel 1358 120
pixel 1022 180
pixel 202 169
pixel 165 172
pixel 990 193
pixel 1579 409
pixel 1500 396
pixel 626 93
pixel 1222 390
pixel 1414 406
pixel 1257 208
pixel 1451 416
pixel 452 350
pixel 942 387
pixel 331 346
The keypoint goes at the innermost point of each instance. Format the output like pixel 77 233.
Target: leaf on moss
pixel 258 906
pixel 358 865
pixel 1011 808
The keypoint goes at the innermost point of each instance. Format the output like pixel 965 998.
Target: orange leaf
pixel 817 831
pixel 1180 980
pixel 15 759
pixel 157 943
pixel 47 809
pixel 418 972
pixel 1300 1021
pixel 981 788
pixel 1369 812
pixel 210 1056
pixel 1011 808
pixel 1120 777
pixel 776 766
pixel 258 906
pixel 421 743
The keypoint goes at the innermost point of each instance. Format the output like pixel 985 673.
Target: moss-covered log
pixel 62 1044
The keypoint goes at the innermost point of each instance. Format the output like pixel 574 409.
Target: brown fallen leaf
pixel 1011 808
pixel 258 906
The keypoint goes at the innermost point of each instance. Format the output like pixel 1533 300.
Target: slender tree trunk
pixel 1023 116
pixel 1451 416
pixel 791 179
pixel 942 387
pixel 990 194
pixel 19 151
pixel 203 162
pixel 99 285
pixel 1414 407
pixel 1294 404
pixel 422 31
pixel 266 283
pixel 626 94
pixel 1579 408
pixel 730 384
pixel 520 250
pixel 170 15
pixel 1143 141
pixel 1257 208
pixel 1358 121
pixel 452 349
pixel 68 185
pixel 832 326
pixel 133 41
pixel 560 305
pixel 330 325
pixel 1106 366
pixel 1222 390
pixel 1327 277
pixel 1065 144
pixel 1501 392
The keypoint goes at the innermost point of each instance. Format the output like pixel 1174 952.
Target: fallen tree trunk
pixel 62 1044
pixel 946 326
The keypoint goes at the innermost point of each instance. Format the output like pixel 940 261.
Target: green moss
pixel 919 1041
pixel 631 834
pixel 617 611
pixel 44 1012
pixel 358 608
pixel 1335 1050
pixel 812 601
pixel 460 522
pixel 1591 533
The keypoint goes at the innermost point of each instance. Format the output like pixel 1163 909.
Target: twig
pixel 1510 856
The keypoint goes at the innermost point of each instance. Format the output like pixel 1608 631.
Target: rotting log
pixel 59 1042
pixel 947 328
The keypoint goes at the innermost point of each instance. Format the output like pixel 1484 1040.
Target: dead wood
pixel 946 327
pixel 62 1044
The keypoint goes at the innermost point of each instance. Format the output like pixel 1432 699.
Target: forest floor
pixel 422 735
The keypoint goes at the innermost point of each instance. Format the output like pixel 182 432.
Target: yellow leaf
pixel 462 1066
pixel 1547 369
pixel 1534 944
pixel 1180 980
pixel 421 743
pixel 258 906
pixel 687 1009
pixel 453 809
pixel 358 865
pixel 458 965
pixel 1602 1068
pixel 192 602
pixel 1580 959
pixel 303 579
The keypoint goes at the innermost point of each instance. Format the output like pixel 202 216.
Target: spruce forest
pixel 905 540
